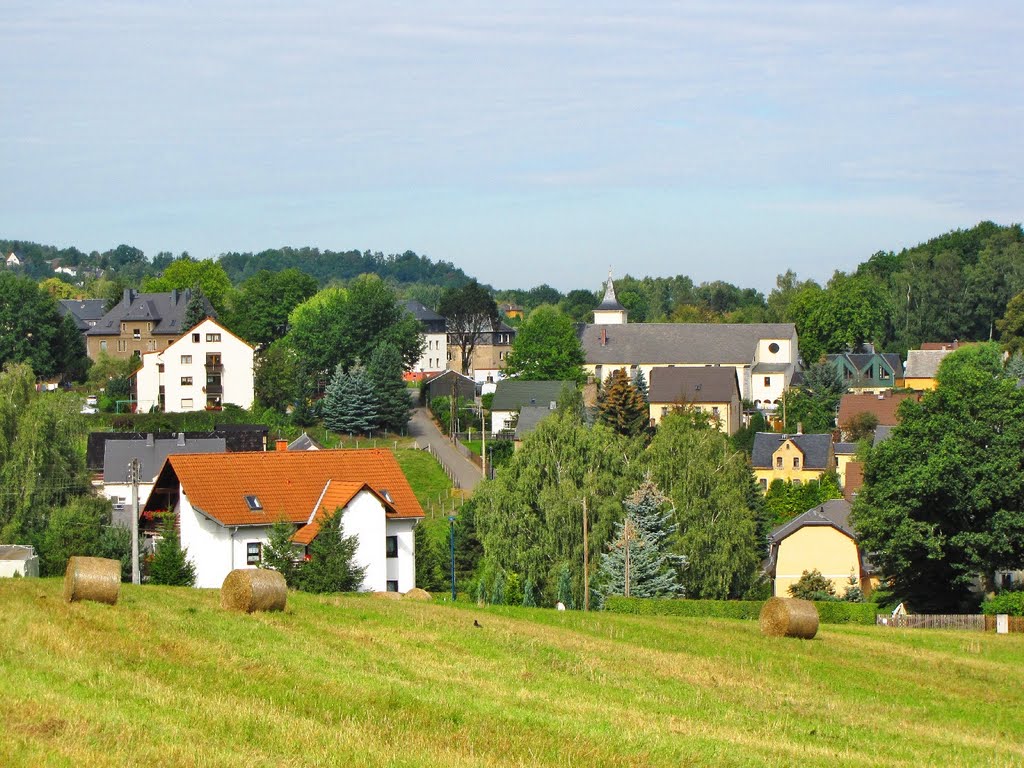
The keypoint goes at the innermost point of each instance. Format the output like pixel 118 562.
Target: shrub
pixel 170 564
pixel 813 586
pixel 1005 602
pixel 828 612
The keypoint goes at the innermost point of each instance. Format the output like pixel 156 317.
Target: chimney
pixel 150 438
pixel 174 296
pixel 604 337
pixel 799 427
pixel 181 439
pixel 280 444
pixel 129 294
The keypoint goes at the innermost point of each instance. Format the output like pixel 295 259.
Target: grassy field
pixel 432 488
pixel 165 678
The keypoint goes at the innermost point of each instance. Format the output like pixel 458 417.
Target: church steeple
pixel 610 311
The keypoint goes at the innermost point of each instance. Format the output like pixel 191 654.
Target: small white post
pixel 1002 624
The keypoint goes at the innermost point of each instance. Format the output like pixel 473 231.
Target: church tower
pixel 609 311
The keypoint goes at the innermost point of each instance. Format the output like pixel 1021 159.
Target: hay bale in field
pixel 418 594
pixel 789 617
pixel 253 589
pixel 388 595
pixel 92 578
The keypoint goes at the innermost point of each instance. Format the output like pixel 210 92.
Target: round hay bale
pixel 92 578
pixel 388 595
pixel 789 617
pixel 417 594
pixel 253 589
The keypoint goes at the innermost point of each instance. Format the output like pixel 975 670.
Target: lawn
pixel 165 678
pixel 432 488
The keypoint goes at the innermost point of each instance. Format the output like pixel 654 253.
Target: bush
pixel 1005 602
pixel 828 612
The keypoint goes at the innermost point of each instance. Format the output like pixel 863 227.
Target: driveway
pixel 423 429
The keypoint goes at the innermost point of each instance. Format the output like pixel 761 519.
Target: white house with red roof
pixel 205 368
pixel 226 503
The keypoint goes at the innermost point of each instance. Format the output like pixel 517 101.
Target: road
pixel 425 432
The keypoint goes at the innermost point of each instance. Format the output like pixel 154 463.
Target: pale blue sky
pixel 540 143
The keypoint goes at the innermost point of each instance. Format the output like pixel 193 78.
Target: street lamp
pixel 451 542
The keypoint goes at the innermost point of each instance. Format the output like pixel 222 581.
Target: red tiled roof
pixel 337 495
pixel 854 480
pixel 882 406
pixel 288 484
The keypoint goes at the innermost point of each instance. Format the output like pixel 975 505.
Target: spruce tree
pixel 170 564
pixel 385 375
pixel 363 407
pixel 640 382
pixel 644 534
pixel 529 594
pixel 498 590
pixel 334 406
pixel 195 310
pixel 564 593
pixel 621 406
pixel 331 566
pixel 279 552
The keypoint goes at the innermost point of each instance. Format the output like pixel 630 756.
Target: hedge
pixel 828 612
pixel 1005 602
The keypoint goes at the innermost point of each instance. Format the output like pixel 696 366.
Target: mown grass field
pixel 165 678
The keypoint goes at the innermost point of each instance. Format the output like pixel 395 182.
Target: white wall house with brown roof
pixel 226 504
pixel 206 367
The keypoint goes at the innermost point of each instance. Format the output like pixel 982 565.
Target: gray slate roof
pixel 924 363
pixel 304 443
pixel 151 455
pixel 609 302
pixel 513 394
pixel 693 385
pixel 165 310
pixel 86 312
pixel 835 513
pixel 681 343
pixel 529 417
pixel 845 449
pixel 815 449
pixel 432 322
pixel 882 433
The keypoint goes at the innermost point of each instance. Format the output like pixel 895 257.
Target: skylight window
pixel 253 503
pixel 386 495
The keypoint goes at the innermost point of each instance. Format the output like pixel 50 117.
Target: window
pixel 767 381
pixel 103 346
pixel 778 462
pixel 136 333
pixel 797 482
pixel 714 411
pixel 764 484
pixel 773 348
pixel 253 553
pixel 213 337
pixel 391 546
pixel 159 367
pixel 186 381
pixel 392 585
pixel 796 462
pixel 186 403
pixel 151 345
pixel 195 338
pixel 122 345
pixel 186 359
pixel 253 503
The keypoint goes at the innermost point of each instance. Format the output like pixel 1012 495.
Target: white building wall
pixel 501 420
pixel 403 568
pixel 208 544
pixel 185 375
pixel 364 518
pixel 435 354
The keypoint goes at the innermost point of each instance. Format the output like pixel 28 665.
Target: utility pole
pixel 451 539
pixel 133 475
pixel 586 559
pixel 483 442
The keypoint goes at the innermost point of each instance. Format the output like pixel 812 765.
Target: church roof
pixel 609 303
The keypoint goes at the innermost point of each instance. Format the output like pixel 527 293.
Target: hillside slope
pixel 167 678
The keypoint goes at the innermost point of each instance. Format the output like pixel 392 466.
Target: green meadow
pixel 166 678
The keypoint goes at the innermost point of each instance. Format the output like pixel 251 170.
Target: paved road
pixel 426 433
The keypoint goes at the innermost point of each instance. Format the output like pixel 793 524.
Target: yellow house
pixel 713 391
pixel 820 539
pixel 922 365
pixel 793 458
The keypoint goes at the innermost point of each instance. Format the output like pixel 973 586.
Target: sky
pixel 539 142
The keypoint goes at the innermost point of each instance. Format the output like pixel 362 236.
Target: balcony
pixel 214 389
pixel 212 367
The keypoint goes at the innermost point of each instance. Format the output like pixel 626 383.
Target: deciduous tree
pixel 470 311
pixel 546 348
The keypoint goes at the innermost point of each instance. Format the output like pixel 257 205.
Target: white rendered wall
pixel 435 354
pixel 403 568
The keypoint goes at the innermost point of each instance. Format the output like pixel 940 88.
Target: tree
pixel 432 573
pixel 186 272
pixel 1011 326
pixel 196 310
pixel 279 554
pixel 32 330
pixel 943 496
pixel 384 374
pixel 261 309
pixel 170 564
pixel 75 528
pixel 812 585
pixel 349 405
pixel 58 288
pixel 470 310
pixel 621 406
pixel 276 378
pixel 784 500
pixel 850 311
pixel 860 426
pixel 713 492
pixel 331 566
pixel 639 562
pixel 546 348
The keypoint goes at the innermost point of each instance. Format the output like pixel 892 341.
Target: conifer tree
pixel 331 566
pixel 564 593
pixel 170 564
pixel 529 594
pixel 498 590
pixel 641 543
pixel 195 310
pixel 621 406
pixel 640 382
pixel 279 552
pixel 350 405
pixel 385 376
